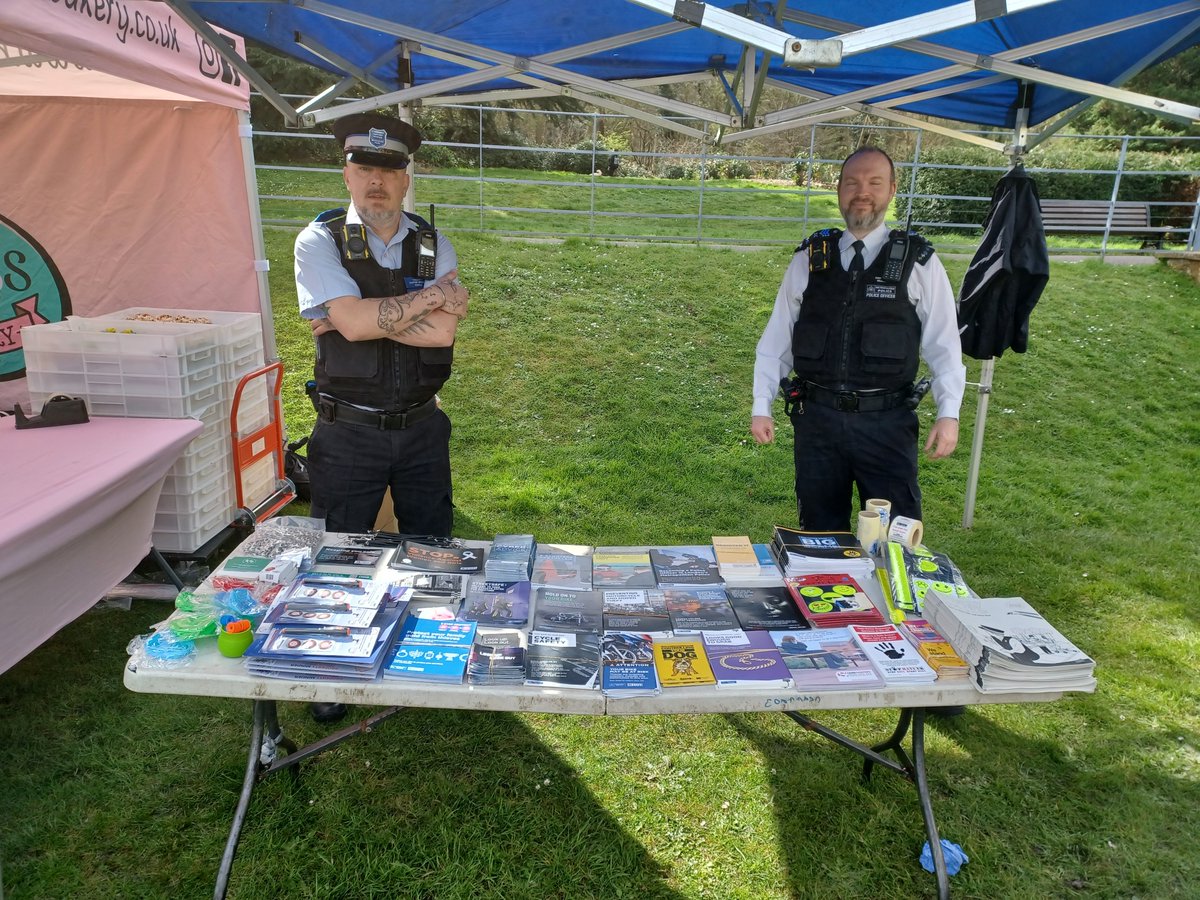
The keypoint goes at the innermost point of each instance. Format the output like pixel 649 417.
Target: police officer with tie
pixel 856 312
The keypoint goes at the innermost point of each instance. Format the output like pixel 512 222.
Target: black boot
pixel 327 713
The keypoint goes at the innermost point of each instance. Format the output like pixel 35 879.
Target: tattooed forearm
pixel 399 313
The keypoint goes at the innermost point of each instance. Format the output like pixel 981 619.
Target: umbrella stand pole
pixel 985 393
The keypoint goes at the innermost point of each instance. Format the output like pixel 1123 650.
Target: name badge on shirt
pixel 412 285
pixel 881 291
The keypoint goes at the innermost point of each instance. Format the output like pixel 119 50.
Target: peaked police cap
pixel 373 139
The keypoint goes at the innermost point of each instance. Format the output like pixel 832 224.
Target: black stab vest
pixel 856 333
pixel 381 374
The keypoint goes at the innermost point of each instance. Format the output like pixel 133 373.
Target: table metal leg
pixel 261 713
pixel 266 739
pixel 931 830
pixel 911 768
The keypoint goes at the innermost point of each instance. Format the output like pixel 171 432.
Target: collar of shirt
pixel 872 244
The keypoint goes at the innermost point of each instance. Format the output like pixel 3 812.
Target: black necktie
pixel 856 264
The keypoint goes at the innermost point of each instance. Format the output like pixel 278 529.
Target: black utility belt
pixel 855 401
pixel 332 410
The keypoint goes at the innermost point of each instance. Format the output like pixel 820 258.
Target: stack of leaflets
pixel 450 555
pixel 805 552
pixel 825 658
pixel 511 558
pixel 627 665
pixel 350 556
pixel 431 586
pixel 504 603
pixel 682 662
pixel 644 612
pixel 685 566
pixel 765 608
pixel 563 610
pixel 564 642
pixel 567 566
pixel 896 660
pixel 934 649
pixel 754 663
pixel 622 567
pixel 432 650
pixel 1009 646
pixel 566 659
pixel 833 600
pixel 768 569
pixel 915 571
pixel 699 609
pixel 327 628
pixel 736 558
pixel 497 657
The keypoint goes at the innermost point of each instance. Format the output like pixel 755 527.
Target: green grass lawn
pixel 601 394
pixel 520 202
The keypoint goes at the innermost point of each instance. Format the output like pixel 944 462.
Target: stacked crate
pixel 122 366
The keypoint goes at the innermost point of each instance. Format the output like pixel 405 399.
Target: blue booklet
pixel 432 650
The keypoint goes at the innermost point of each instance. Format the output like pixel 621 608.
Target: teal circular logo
pixel 32 292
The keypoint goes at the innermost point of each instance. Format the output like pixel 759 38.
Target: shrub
pixel 585 157
pixel 730 168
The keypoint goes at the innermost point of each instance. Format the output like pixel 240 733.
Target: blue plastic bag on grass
pixel 951 852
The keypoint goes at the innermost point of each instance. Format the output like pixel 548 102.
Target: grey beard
pixel 866 221
pixel 378 219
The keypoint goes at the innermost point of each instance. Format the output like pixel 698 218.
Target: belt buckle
pixel 846 402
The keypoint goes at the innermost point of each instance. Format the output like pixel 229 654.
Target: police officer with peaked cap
pixel 381 290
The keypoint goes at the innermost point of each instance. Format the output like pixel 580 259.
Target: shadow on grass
pixel 108 793
pixel 1042 797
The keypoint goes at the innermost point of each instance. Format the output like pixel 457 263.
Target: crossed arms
pixel 427 318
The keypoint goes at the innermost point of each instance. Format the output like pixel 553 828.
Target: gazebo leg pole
pixel 985 393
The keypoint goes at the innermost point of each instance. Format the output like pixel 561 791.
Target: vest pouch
pixel 433 365
pixel 808 340
pixel 884 350
pixel 348 360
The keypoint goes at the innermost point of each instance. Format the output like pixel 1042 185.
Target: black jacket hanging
pixel 1009 271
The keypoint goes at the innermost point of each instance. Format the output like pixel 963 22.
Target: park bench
pixel 1091 216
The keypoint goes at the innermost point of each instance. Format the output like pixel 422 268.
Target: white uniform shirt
pixel 928 290
pixel 321 277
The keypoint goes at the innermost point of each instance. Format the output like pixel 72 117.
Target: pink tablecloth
pixel 76 517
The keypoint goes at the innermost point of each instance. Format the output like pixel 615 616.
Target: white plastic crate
pixel 68 380
pixel 238 330
pixel 258 481
pixel 114 401
pixel 198 496
pixel 185 541
pixel 193 471
pixel 218 505
pixel 117 339
pixel 212 445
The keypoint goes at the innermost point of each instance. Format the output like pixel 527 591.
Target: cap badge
pixel 377 138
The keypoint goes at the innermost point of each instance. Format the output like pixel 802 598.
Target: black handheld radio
pixel 427 249
pixel 897 250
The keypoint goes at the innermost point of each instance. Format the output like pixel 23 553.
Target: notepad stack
pixel 807 552
pixel 1009 646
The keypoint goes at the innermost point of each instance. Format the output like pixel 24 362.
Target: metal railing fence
pixel 696 195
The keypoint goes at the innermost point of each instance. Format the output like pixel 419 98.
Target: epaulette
pixel 331 215
pixel 922 249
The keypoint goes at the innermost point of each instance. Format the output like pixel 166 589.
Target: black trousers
pixel 351 465
pixel 837 451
